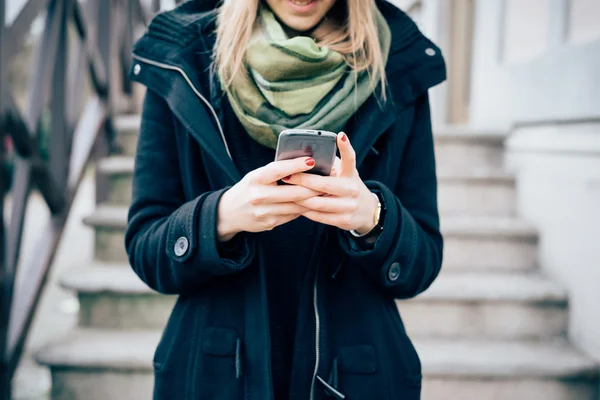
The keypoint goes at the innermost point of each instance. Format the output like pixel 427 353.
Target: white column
pixel 435 20
pixel 559 20
pixel 490 95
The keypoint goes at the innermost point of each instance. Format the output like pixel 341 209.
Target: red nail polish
pixel 310 162
pixel 344 137
pixel 287 178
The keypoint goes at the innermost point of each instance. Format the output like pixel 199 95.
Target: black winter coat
pixel 350 337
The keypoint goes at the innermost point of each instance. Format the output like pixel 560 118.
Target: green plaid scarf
pixel 294 83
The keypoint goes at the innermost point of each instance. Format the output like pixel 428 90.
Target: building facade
pixel 531 68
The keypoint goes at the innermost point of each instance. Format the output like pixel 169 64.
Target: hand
pixel 257 203
pixel 347 204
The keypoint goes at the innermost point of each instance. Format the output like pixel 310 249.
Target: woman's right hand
pixel 256 203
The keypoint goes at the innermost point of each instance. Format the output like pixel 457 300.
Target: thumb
pixel 347 154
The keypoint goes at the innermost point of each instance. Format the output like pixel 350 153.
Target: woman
pixel 285 291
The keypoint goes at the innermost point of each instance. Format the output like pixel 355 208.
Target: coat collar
pixel 184 37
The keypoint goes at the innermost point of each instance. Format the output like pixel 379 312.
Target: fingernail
pixel 310 162
pixel 344 137
pixel 287 178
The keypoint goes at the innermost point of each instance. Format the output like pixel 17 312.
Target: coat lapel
pixel 175 77
pixel 369 123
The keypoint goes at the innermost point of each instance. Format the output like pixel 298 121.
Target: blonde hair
pixel 350 29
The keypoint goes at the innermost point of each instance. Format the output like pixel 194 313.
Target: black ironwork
pixel 73 134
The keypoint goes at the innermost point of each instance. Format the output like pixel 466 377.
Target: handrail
pixel 73 136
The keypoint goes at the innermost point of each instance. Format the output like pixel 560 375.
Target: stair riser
pixel 128 141
pixel 489 198
pixel 463 154
pixel 476 198
pixel 460 252
pixel 98 384
pixel 441 388
pixel 489 320
pixel 117 311
pixel 110 245
pixel 489 253
pixel 422 318
pixel 120 189
pixel 455 197
pixel 69 384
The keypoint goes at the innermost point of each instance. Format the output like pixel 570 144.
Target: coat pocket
pixel 220 365
pixel 354 373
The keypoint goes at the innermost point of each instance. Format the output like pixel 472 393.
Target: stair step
pixel 488 243
pixel 104 278
pixel 475 192
pixel 490 305
pixel 119 171
pixel 102 364
pixel 463 147
pixel 110 222
pixel 127 127
pixel 480 369
pixel 117 165
pixel 499 243
pixel 112 296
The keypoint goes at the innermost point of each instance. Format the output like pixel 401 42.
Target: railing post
pixel 60 137
pixel 104 41
pixel 5 379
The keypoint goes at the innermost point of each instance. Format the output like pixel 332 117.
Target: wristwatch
pixel 371 236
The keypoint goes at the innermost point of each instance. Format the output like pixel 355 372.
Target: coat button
pixel 394 272
pixel 181 246
pixel 430 52
pixel 136 69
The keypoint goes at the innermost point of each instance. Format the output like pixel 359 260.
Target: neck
pixel 292 33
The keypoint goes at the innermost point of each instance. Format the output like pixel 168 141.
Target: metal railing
pixel 82 42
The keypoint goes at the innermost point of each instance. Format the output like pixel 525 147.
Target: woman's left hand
pixel 347 203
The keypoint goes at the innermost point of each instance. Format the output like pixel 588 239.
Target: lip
pixel 303 9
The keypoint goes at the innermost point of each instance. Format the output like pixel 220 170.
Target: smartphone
pixel 320 145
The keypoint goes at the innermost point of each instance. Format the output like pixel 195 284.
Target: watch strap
pixel 376 220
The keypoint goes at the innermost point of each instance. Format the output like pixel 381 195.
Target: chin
pixel 301 24
pixel 300 15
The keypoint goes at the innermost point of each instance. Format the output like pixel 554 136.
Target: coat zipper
pixel 317 334
pixel 194 89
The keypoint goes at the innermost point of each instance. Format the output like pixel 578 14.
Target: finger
pixel 342 187
pixel 330 204
pixel 271 213
pixel 277 170
pixel 281 194
pixel 285 209
pixel 337 167
pixel 341 221
pixel 347 155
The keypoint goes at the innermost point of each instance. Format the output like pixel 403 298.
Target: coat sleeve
pixel 171 242
pixel 407 256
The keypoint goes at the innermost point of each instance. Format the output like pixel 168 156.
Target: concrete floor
pixel 57 312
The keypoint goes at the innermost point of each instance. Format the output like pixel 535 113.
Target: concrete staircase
pixel 491 327
pixel 109 355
